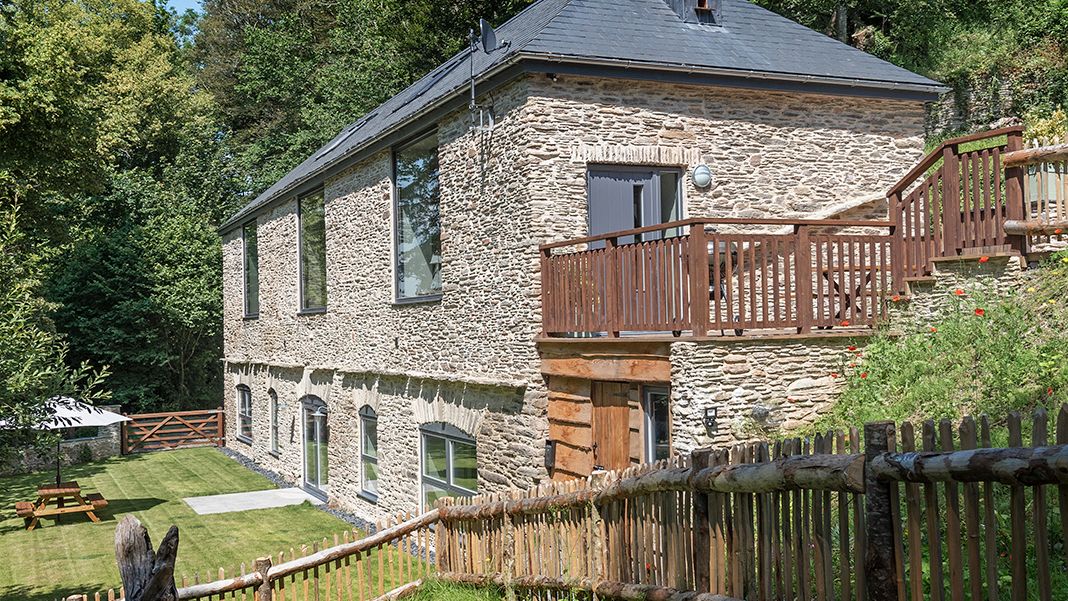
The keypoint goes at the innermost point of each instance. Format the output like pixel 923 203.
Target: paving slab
pixel 256 499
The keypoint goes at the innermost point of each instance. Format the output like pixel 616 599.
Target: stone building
pixel 384 333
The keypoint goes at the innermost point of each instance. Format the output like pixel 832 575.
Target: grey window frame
pixel 244 393
pixel 245 296
pixel 368 414
pixel 395 193
pixel 272 397
pixel 451 434
pixel 303 309
pixel 649 421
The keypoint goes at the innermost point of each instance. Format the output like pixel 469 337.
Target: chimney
pixel 697 11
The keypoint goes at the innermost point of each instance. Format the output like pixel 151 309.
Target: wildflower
pixel 895 298
pixel 864 376
pixel 959 292
pixel 852 365
pixel 1058 231
pixel 1064 259
pixel 1049 391
pixel 980 312
pixel 1052 302
pixel 933 329
pixel 845 323
pixel 851 348
pixel 984 259
pixel 1032 289
pixel 834 375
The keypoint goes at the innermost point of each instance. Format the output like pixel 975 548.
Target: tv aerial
pixel 487 39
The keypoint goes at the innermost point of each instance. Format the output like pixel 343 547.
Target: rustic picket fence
pixel 930 512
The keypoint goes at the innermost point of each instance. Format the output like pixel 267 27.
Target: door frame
pixel 317 405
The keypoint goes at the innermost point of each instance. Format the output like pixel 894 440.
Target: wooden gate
pixel 174 430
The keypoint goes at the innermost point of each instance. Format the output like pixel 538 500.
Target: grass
pixel 78 556
pixel 434 590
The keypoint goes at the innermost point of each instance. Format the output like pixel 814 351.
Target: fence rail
pixel 174 430
pixel 683 277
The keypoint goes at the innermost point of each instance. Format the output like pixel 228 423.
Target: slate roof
pixel 749 41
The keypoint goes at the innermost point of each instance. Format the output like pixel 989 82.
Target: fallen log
pixel 1035 227
pixel 146 575
pixel 600 588
pixel 1015 466
pixel 1030 156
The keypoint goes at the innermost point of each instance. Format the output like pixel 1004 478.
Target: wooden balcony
pixel 690 278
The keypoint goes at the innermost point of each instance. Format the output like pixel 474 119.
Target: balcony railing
pixel 687 277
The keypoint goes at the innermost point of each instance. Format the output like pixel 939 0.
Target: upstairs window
pixel 418 223
pixel 252 269
pixel 312 233
pixel 244 413
pixel 369 452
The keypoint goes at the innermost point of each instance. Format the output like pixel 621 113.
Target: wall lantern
pixel 710 418
pixel 702 176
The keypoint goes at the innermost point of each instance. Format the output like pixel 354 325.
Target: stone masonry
pixel 471 359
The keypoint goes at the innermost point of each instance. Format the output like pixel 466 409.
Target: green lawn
pixel 76 555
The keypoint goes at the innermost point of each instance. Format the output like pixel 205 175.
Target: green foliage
pixel 1012 356
pixel 32 356
pixel 436 590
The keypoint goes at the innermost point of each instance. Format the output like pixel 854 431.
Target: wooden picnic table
pixel 56 500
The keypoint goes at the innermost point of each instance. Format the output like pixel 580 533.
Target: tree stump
pixel 146 576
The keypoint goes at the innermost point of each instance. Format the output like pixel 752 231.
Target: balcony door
pixel 316 437
pixel 623 198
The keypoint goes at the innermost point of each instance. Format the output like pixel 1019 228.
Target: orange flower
pixel 933 329
pixel 1049 391
pixel 984 259
pixel 834 375
pixel 851 347
pixel 1058 231
pixel 852 365
pixel 845 323
pixel 895 298
pixel 980 312
pixel 864 376
pixel 959 292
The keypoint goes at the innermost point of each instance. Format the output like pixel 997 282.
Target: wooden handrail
pixel 1019 466
pixel 1032 156
pixel 718 221
pixel 936 153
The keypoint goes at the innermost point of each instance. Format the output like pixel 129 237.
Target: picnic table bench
pixel 57 500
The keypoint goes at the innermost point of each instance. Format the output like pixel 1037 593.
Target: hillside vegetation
pixel 986 354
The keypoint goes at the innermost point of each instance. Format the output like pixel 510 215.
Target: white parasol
pixel 71 413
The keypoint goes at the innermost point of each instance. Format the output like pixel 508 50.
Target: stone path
pixel 244 501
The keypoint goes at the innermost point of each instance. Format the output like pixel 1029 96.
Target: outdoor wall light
pixel 702 176
pixel 710 417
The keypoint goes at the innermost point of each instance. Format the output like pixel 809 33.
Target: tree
pixel 32 357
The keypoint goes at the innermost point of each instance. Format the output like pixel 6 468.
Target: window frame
pixel 451 435
pixel 649 421
pixel 368 414
pixel 246 314
pixel 244 393
pixel 302 308
pixel 273 424
pixel 395 194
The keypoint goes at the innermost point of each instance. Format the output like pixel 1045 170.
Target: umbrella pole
pixel 57 459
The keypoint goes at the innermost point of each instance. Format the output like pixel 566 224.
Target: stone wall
pixel 107 443
pixel 471 358
pixel 756 386
pixel 930 297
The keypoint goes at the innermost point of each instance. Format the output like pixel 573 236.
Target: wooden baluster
pixel 1015 208
pixel 699 317
pixel 951 208
pixel 803 279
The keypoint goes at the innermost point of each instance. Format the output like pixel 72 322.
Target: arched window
pixel 450 464
pixel 244 413
pixel 316 437
pixel 369 452
pixel 273 396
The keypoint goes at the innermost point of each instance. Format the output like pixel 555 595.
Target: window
pixel 252 269
pixel 312 233
pixel 274 420
pixel 450 466
pixel 418 224
pixel 657 409
pixel 244 413
pixel 369 452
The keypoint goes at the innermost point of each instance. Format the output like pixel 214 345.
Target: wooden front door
pixel 611 425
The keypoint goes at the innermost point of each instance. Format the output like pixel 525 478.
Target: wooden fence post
pixel 124 440
pixel 879 572
pixel 702 529
pixel 545 311
pixel 1014 195
pixel 508 551
pixel 897 259
pixel 597 480
pixel 700 315
pixel 263 566
pixel 803 262
pixel 613 293
pixel 221 425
